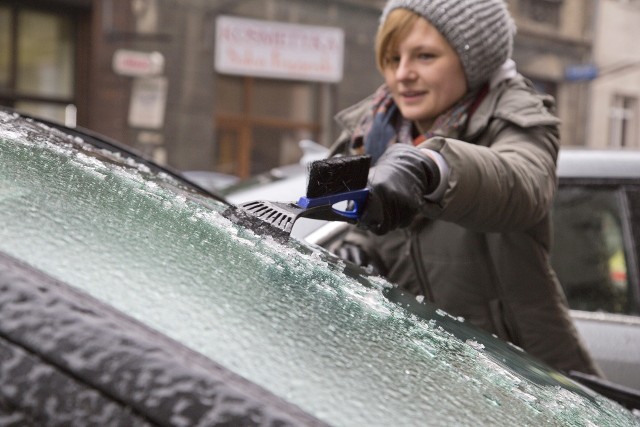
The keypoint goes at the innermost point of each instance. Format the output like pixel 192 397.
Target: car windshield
pixel 345 347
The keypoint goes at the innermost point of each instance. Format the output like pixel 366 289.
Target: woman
pixel 465 156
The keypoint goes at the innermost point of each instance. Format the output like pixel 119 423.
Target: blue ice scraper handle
pixel 359 198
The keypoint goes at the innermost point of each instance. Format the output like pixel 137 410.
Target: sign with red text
pixel 278 50
pixel 137 64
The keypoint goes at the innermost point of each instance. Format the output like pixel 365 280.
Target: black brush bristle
pixel 338 175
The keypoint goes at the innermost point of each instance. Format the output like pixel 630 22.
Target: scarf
pixel 384 125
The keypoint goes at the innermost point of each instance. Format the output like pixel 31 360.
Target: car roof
pixel 585 163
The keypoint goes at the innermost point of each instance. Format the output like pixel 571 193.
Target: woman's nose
pixel 405 70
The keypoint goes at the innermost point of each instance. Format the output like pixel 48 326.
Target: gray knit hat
pixel 481 31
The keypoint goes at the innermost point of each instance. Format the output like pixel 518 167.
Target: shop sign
pixel 148 101
pixel 138 64
pixel 278 50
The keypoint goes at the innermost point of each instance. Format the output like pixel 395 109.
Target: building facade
pixel 156 75
pixel 554 38
pixel 614 97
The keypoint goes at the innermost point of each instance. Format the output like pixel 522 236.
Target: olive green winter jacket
pixel 482 252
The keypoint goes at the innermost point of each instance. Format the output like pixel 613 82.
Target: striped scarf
pixel 384 124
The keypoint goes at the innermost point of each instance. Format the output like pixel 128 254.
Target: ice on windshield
pixel 286 317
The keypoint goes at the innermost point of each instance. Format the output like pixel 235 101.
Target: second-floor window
pixel 623 122
pixel 542 11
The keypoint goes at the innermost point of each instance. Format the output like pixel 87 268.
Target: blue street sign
pixel 580 72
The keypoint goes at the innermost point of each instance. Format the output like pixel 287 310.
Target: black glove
pixel 398 183
pixel 355 254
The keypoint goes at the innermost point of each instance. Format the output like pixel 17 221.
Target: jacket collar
pixel 480 118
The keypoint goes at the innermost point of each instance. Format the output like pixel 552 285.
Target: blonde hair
pixel 395 28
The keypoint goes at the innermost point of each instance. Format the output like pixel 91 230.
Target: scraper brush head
pixel 338 175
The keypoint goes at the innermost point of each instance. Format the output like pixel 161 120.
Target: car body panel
pixel 617 346
pixel 118 371
pixel 345 347
pixel 589 164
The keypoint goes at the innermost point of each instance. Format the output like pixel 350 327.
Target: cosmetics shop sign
pixel 278 50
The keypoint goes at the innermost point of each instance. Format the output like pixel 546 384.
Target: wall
pixel 617 55
pixel 544 49
pixel 184 33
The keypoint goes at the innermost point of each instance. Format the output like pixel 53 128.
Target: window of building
pixel 37 62
pixel 5 47
pixel 259 122
pixel 623 121
pixel 542 11
pixel 635 3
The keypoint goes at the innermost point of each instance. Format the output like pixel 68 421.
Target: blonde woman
pixel 465 172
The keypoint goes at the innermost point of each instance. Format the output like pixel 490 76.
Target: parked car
pixel 131 297
pixel 216 182
pixel 596 254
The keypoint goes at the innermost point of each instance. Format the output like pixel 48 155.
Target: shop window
pixel 5 47
pixel 623 121
pixel 37 62
pixel 52 111
pixel 589 253
pixel 259 123
pixel 229 95
pixel 45 55
pixel 274 147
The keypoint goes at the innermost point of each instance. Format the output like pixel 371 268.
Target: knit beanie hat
pixel 480 31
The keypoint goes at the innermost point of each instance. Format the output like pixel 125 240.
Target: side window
pixel 589 254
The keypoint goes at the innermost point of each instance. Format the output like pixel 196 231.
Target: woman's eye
pixel 392 60
pixel 425 55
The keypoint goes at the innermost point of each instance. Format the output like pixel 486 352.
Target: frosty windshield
pixel 282 314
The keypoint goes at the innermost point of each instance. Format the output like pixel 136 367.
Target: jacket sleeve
pixel 506 182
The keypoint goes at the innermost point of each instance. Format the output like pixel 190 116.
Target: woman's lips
pixel 412 95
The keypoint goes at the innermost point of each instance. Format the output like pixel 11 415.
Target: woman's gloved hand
pixel 398 183
pixel 354 253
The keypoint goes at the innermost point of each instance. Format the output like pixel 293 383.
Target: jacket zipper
pixel 421 274
pixel 509 320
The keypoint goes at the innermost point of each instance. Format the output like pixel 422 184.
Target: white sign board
pixel 137 64
pixel 147 105
pixel 278 50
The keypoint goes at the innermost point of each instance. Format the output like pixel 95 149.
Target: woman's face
pixel 424 74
